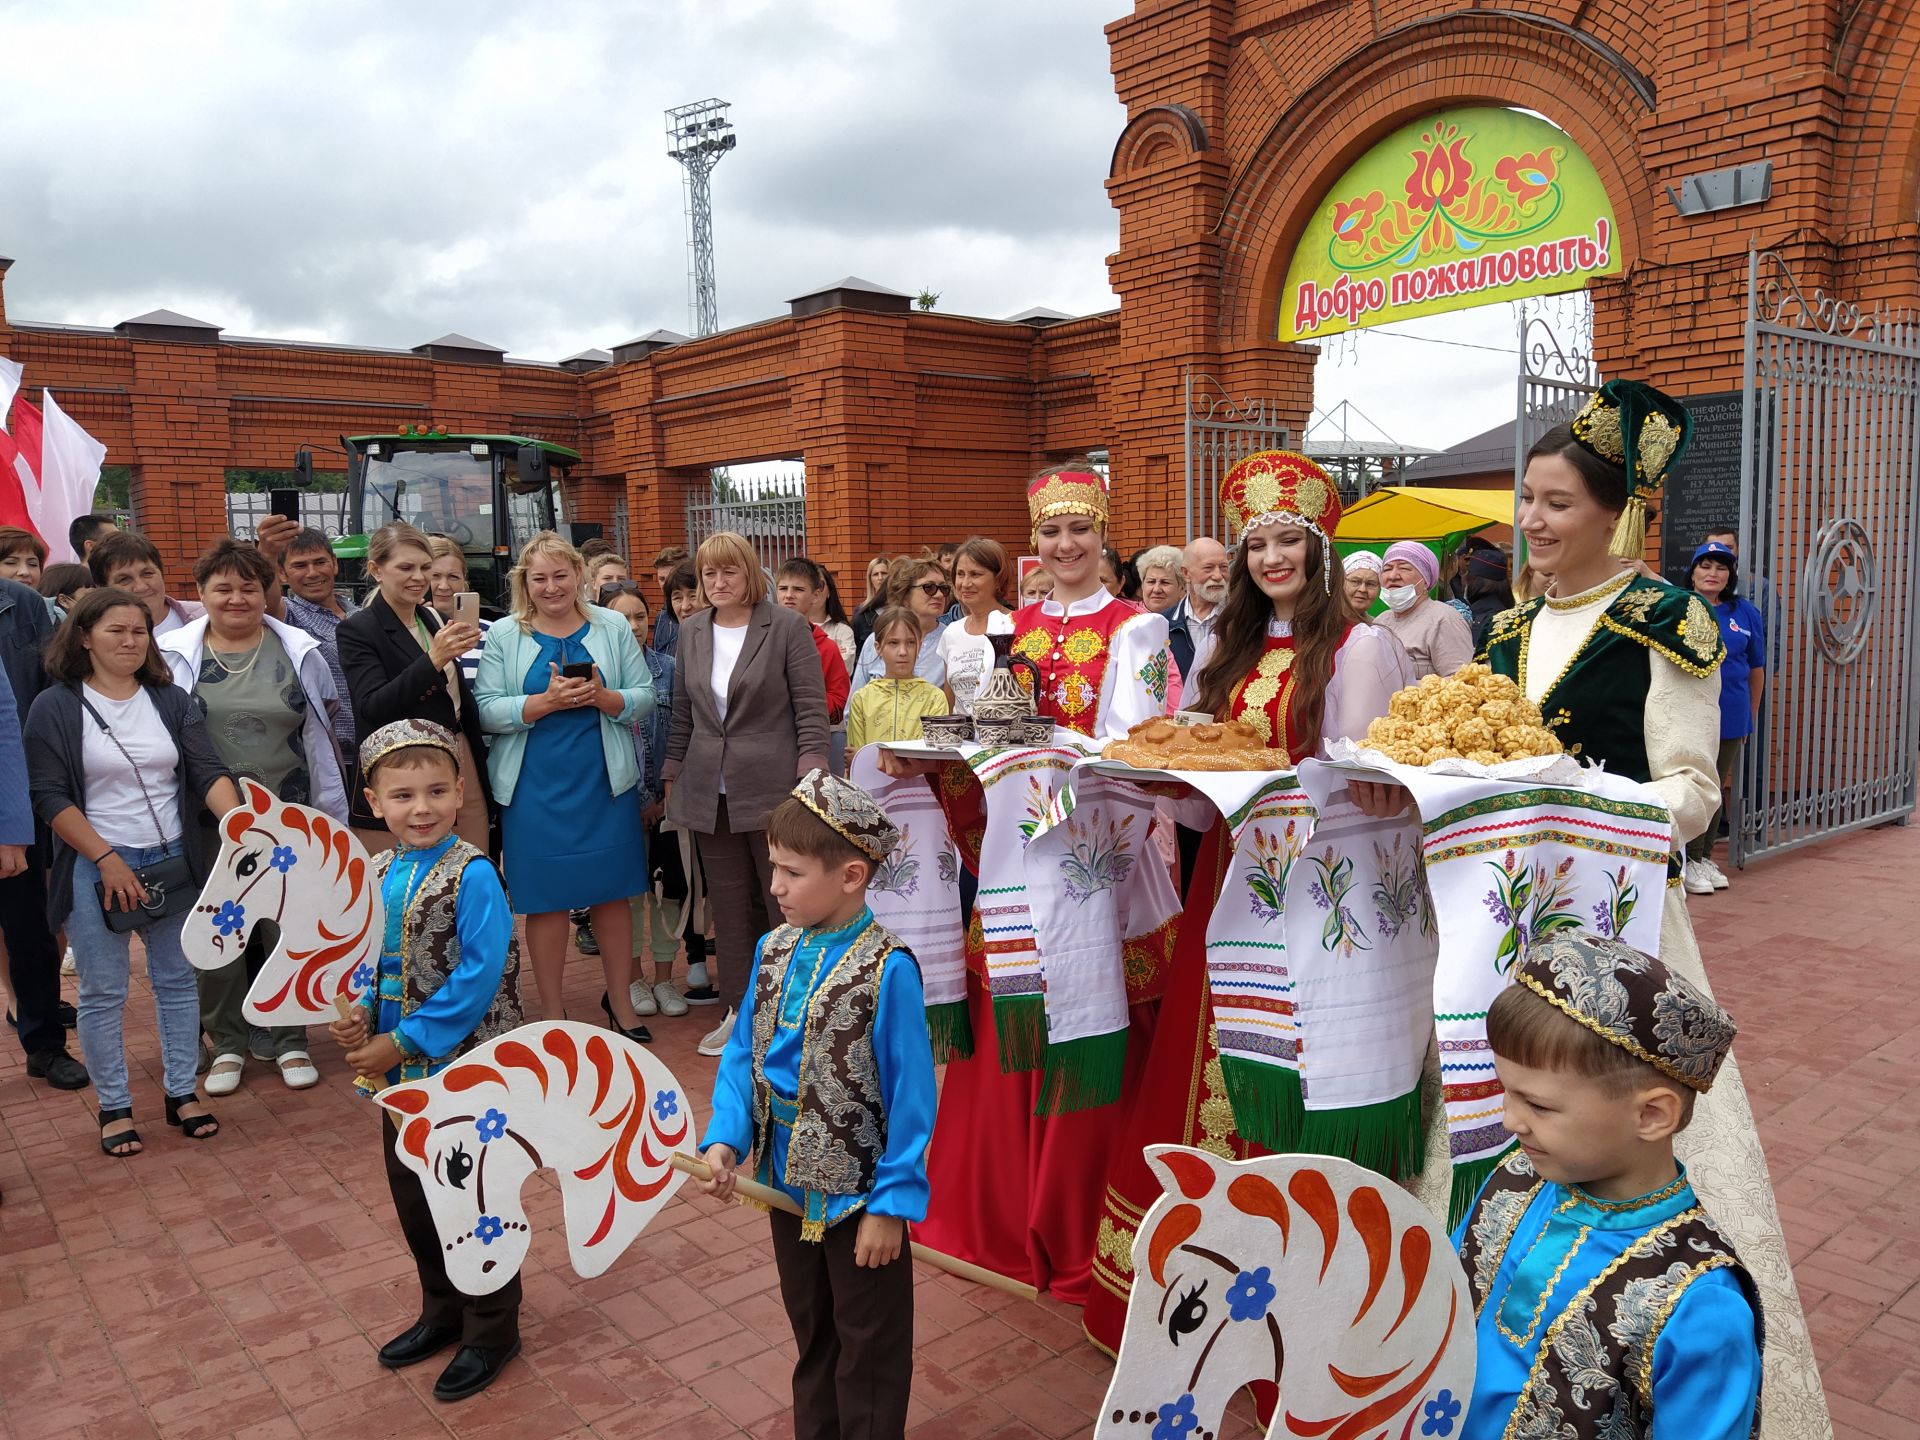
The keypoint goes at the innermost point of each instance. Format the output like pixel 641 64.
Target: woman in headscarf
pixel 1362 581
pixel 1435 636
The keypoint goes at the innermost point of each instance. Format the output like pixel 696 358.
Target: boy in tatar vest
pixel 828 1081
pixel 1609 1303
pixel 448 980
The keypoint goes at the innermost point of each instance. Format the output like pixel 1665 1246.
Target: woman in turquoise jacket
pixel 560 687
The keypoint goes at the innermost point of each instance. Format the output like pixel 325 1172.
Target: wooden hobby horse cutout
pixel 308 874
pixel 1301 1271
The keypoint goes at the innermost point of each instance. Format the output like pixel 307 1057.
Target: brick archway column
pixel 182 430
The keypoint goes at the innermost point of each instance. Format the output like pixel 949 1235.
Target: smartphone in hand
pixel 466 607
pixel 284 503
pixel 578 670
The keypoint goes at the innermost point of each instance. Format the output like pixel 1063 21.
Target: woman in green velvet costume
pixel 1623 668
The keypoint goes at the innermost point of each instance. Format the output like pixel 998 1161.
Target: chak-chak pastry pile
pixel 1159 744
pixel 1472 714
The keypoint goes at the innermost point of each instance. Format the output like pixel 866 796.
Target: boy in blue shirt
pixel 1609 1304
pixel 448 980
pixel 828 1080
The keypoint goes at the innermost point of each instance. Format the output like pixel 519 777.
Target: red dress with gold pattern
pixel 1016 1192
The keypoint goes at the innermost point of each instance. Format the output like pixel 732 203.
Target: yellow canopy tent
pixel 1432 513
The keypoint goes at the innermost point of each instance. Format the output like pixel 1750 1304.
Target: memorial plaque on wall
pixel 1704 488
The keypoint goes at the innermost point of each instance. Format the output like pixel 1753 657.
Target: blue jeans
pixel 101 955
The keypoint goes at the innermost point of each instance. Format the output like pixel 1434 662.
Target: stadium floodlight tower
pixel 697 136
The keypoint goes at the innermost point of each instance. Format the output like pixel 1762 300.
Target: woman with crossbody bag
pixel 120 764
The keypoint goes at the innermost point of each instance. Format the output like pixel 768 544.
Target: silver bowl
pixel 1037 731
pixel 946 731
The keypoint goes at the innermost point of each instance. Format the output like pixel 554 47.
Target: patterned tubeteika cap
pixel 1632 1001
pixel 854 814
pixel 403 735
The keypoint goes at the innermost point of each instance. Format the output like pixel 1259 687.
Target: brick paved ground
pixel 240 1287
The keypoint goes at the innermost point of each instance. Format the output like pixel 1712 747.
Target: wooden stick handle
pixel 375 1083
pixel 780 1200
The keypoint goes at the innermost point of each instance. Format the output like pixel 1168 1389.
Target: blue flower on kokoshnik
pixel 1176 1420
pixel 1440 1412
pixel 1251 1295
pixel 230 917
pixel 666 1104
pixel 488 1229
pixel 283 859
pixel 491 1126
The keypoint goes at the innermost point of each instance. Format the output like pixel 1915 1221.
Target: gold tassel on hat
pixel 1630 533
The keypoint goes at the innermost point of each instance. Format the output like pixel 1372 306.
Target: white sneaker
pixel 1715 874
pixel 1694 877
pixel 716 1038
pixel 670 1000
pixel 68 966
pixel 640 996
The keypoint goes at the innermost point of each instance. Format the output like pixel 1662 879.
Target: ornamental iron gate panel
pixel 1829 506
pixel 769 512
pixel 1555 381
pixel 1218 432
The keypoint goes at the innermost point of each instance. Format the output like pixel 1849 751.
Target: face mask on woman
pixel 1400 597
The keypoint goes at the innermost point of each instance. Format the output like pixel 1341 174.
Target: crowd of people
pixel 620 761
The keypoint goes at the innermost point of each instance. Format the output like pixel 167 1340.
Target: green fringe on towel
pixel 1468 1177
pixel 1082 1074
pixel 950 1028
pixel 1020 1023
pixel 1387 1137
pixel 1267 1108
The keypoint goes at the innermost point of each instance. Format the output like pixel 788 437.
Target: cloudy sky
pixel 380 174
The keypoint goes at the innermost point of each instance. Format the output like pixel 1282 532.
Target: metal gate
pixel 1219 431
pixel 1829 505
pixel 769 511
pixel 1555 381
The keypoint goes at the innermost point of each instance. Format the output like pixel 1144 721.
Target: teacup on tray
pixel 947 732
pixel 1037 731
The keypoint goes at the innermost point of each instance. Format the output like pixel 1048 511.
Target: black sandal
pixel 194 1127
pixel 122 1137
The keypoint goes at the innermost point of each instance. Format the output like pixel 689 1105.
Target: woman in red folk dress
pixel 1013 1191
pixel 1288 661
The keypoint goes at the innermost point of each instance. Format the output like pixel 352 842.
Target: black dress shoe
pixel 58 1069
pixel 416 1343
pixel 471 1370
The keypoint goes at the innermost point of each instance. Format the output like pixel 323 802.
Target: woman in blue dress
pixel 560 687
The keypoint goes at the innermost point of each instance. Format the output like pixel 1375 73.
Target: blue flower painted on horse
pixel 491 1126
pixel 362 976
pixel 230 918
pixel 1251 1295
pixel 283 859
pixel 1440 1412
pixel 1176 1420
pixel 666 1104
pixel 488 1229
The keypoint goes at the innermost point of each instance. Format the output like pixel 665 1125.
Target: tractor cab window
pixel 446 492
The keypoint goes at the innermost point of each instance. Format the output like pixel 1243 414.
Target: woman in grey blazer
pixel 749 718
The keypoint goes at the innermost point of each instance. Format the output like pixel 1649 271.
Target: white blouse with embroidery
pixel 1681 722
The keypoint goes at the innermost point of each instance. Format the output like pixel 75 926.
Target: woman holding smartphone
pixel 401 659
pixel 562 684
pixel 446 583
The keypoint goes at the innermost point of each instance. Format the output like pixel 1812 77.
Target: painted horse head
pixel 595 1108
pixel 1298 1270
pixel 306 873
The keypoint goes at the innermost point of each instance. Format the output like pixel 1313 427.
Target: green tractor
pixel 490 493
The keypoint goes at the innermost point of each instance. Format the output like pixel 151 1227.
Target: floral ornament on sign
pixel 283 859
pixel 1177 1420
pixel 491 1126
pixel 362 976
pixel 1528 176
pixel 1352 218
pixel 666 1104
pixel 488 1229
pixel 1251 1295
pixel 230 918
pixel 1439 1414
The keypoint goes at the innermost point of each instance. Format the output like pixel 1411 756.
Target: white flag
pixel 10 371
pixel 70 461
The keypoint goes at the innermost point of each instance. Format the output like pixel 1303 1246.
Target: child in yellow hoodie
pixel 890 707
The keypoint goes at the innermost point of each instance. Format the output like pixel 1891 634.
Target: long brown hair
pixel 68 659
pixel 1320 619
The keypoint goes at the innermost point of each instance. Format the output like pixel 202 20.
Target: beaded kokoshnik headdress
pixel 1279 487
pixel 1067 491
pixel 850 812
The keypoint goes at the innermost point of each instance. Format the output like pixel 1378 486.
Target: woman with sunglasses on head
pixel 921 587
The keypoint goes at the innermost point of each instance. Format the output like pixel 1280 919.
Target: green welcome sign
pixel 1464 208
